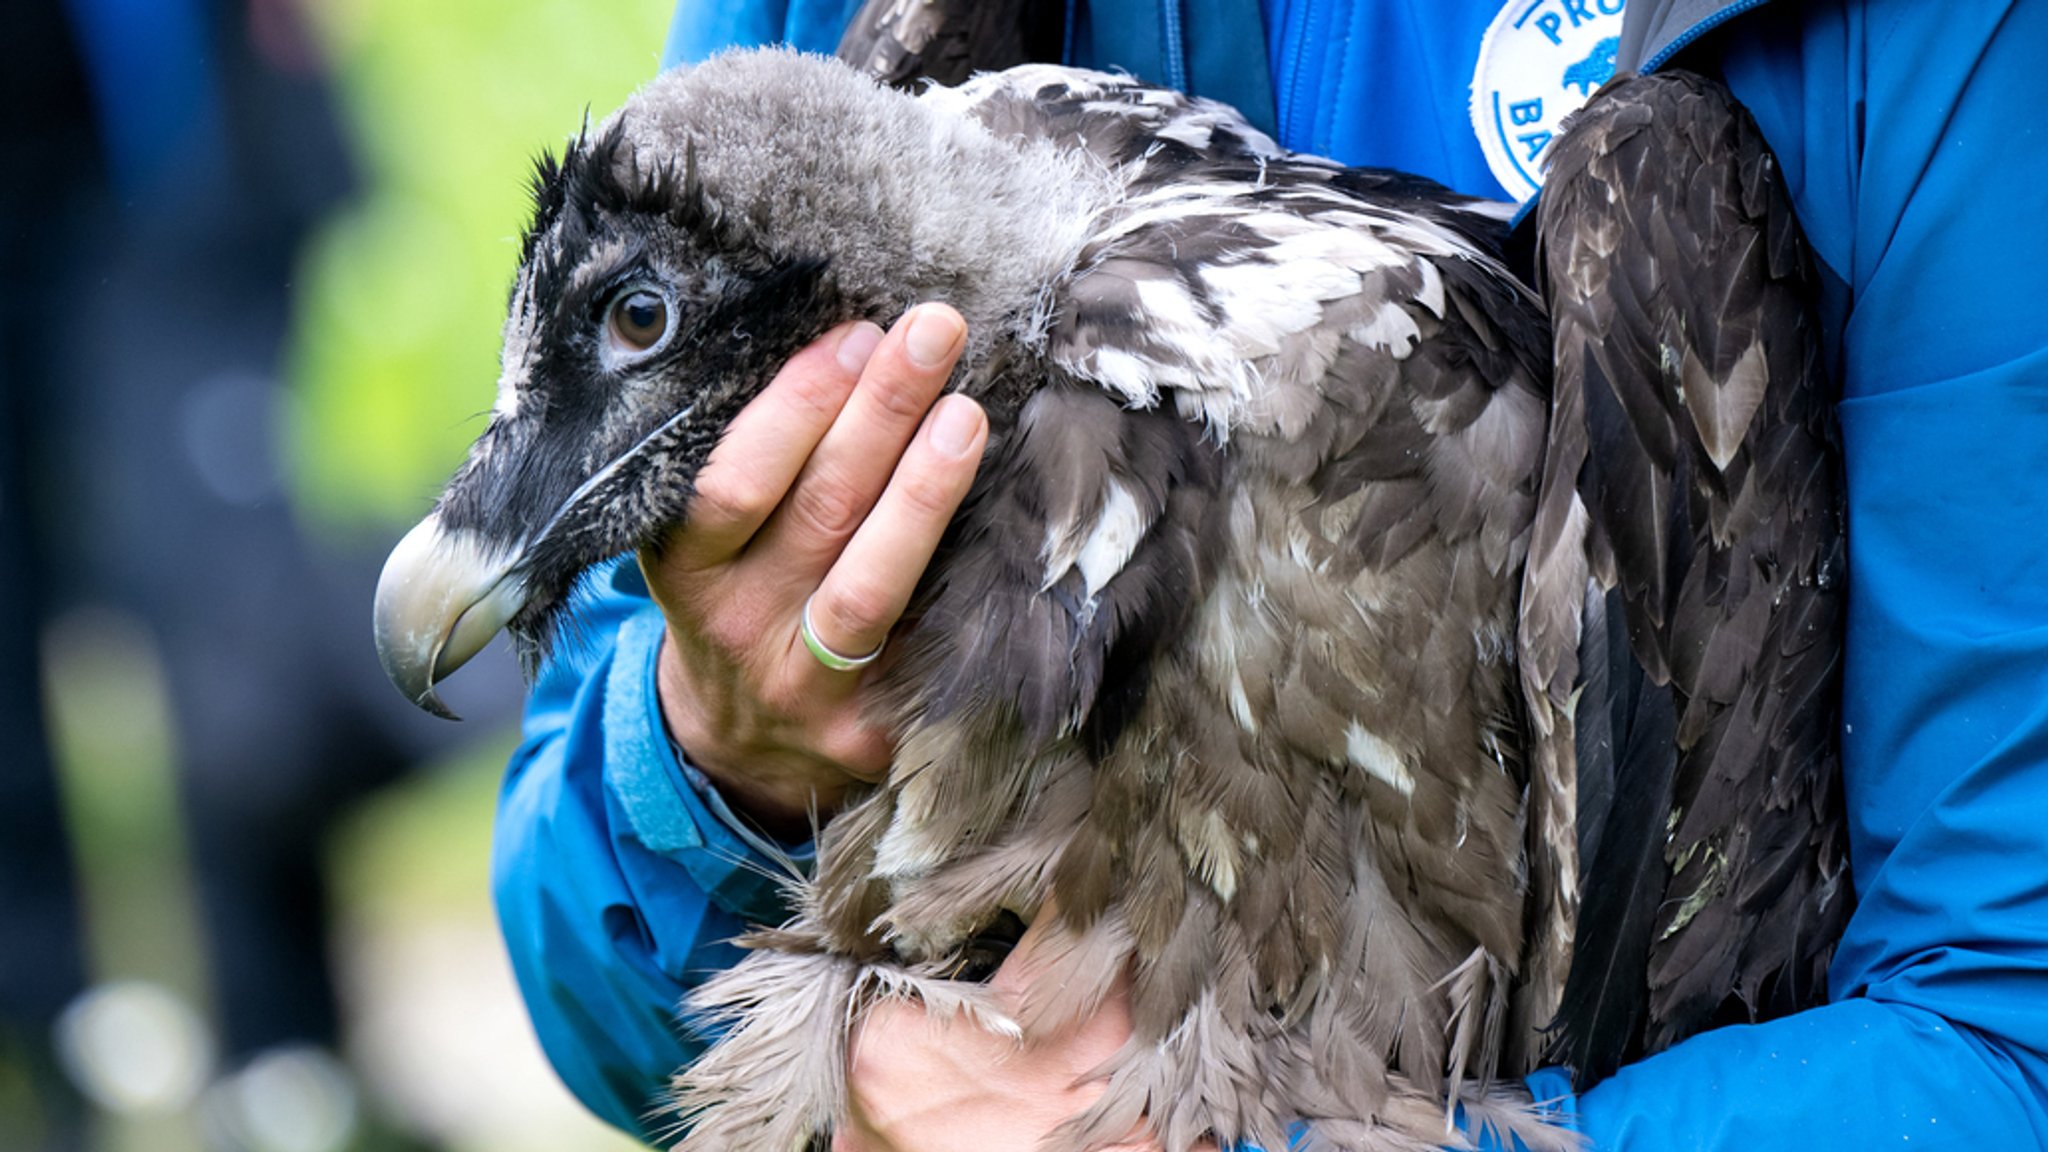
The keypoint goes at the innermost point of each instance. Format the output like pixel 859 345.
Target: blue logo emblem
pixel 1595 69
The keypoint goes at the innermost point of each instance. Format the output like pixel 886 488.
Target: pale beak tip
pixel 440 599
pixel 429 702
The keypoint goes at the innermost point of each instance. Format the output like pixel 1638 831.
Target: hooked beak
pixel 442 596
pixel 445 593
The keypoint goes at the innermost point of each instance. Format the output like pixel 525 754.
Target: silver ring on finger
pixel 836 661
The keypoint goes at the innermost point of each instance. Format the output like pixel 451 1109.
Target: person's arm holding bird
pixel 1694 1081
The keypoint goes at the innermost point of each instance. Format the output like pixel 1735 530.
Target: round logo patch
pixel 1540 61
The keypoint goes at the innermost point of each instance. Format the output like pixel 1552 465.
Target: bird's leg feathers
pixel 776 1078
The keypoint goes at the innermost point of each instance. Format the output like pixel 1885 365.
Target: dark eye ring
pixel 637 321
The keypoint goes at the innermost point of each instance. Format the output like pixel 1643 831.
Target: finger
pixel 848 470
pixel 865 592
pixel 764 448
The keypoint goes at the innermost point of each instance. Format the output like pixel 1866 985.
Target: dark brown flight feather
pixel 1686 576
pixel 904 43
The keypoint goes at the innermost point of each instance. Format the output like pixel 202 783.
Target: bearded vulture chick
pixel 1217 666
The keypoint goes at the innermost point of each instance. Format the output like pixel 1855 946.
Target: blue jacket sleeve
pixel 1909 134
pixel 700 27
pixel 619 877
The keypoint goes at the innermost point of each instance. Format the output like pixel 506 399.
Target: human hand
pixel 920 1083
pixel 837 480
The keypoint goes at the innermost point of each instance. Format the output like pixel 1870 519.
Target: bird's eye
pixel 636 321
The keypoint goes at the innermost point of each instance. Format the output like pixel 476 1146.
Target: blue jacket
pixel 1909 134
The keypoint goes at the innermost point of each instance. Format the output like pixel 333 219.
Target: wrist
pixel 782 792
pixel 782 807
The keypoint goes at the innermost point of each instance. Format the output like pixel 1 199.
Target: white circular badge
pixel 1540 61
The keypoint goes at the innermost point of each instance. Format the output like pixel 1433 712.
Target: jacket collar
pixel 1653 31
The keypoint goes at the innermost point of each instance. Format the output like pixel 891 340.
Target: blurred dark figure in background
pixel 163 162
pixel 47 118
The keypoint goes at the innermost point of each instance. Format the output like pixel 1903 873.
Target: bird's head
pixel 723 218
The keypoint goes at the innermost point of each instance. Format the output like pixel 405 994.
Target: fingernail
pixel 857 345
pixel 955 425
pixel 932 335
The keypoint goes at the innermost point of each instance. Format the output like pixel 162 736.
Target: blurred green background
pixel 391 357
pixel 401 298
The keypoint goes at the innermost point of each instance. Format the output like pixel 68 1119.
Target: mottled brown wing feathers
pixel 1064 644
pixel 1691 497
